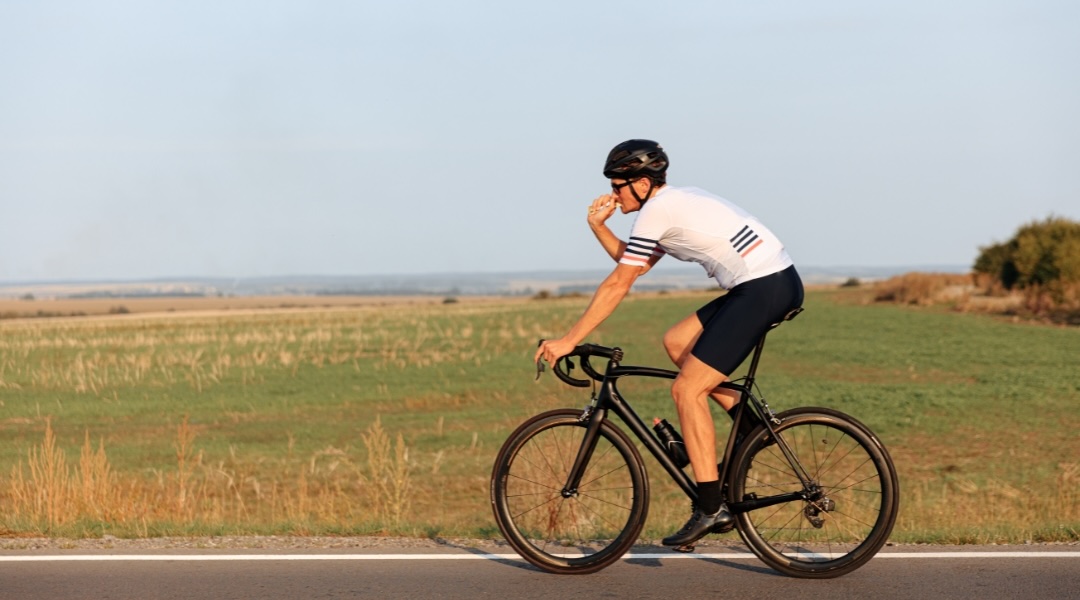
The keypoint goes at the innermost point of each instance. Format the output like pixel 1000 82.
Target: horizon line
pixel 832 269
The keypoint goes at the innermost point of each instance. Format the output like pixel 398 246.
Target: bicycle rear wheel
pixel 580 533
pixel 849 510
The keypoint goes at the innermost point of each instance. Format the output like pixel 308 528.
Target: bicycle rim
pixel 586 531
pixel 842 525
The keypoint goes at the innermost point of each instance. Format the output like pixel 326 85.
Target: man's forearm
pixel 612 244
pixel 604 301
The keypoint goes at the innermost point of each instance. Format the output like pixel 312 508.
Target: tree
pixel 1042 260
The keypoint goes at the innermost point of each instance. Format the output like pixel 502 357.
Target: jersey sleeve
pixel 645 239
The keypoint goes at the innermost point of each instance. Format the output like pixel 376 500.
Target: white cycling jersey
pixel 695 226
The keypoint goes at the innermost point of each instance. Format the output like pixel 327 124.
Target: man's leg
pixel 691 394
pixel 679 340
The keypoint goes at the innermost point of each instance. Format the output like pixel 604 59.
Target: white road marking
pixel 484 556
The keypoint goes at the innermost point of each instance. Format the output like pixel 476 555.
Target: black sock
pixel 709 499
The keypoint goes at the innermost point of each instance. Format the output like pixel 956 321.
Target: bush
pixel 1043 261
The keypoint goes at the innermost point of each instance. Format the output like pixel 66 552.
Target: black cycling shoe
pixel 723 527
pixel 699 525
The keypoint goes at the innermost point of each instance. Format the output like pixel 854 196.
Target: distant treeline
pixel 138 294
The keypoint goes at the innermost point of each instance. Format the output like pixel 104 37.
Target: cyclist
pixel 744 257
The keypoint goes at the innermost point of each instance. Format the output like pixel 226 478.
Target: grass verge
pixel 386 419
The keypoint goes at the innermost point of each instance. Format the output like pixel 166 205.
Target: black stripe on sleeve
pixel 737 235
pixel 747 243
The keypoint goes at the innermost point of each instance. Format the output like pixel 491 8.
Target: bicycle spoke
pixel 864 480
pixel 522 495
pixel 818 471
pixel 528 510
pixel 845 523
pixel 546 466
pixel 592 463
pixel 597 523
pixel 849 517
pixel 813 451
pixel 778 530
pixel 609 523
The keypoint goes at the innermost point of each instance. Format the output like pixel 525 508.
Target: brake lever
pixel 539 363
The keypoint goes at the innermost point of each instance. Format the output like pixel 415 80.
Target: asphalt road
pixel 922 572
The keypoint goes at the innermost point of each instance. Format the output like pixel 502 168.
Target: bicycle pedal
pixel 687 549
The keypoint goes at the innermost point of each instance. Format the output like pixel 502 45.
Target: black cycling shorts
pixel 733 324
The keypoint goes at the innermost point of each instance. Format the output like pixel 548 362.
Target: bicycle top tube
pixel 615 356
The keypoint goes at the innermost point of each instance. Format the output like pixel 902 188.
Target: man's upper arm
pixel 625 275
pixel 641 252
pixel 643 248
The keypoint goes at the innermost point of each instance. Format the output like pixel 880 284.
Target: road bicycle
pixel 813 491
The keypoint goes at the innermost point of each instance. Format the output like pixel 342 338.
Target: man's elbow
pixel 623 277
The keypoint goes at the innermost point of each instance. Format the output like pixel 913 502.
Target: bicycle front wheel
pixel 841 520
pixel 579 532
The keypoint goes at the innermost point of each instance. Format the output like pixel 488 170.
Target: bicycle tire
pixel 836 533
pixel 582 533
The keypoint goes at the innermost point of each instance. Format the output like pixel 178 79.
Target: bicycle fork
pixel 594 419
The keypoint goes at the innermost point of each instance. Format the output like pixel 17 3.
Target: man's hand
pixel 601 209
pixel 553 350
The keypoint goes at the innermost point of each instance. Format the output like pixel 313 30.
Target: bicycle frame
pixel 609 399
pixel 817 527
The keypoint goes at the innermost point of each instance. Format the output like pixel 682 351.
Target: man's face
pixel 620 188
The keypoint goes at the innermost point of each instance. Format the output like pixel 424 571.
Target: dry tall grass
pixel 976 293
pixel 991 511
pixel 143 364
pixel 144 360
pixel 98 356
pixel 924 288
pixel 389 473
pixel 46 493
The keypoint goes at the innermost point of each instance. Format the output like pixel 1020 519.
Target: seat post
pixel 761 346
pixel 754 361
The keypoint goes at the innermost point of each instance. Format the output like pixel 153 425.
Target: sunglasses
pixel 615 187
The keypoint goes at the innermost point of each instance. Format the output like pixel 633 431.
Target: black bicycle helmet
pixel 637 158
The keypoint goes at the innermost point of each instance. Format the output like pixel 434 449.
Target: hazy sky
pixel 225 138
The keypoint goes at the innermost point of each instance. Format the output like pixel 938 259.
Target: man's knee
pixel 680 339
pixel 685 392
pixel 695 382
pixel 675 345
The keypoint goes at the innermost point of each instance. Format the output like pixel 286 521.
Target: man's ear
pixel 643 186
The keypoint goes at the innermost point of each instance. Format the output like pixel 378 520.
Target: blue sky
pixel 197 138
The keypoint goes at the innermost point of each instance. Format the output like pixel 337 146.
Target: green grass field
pixel 387 419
